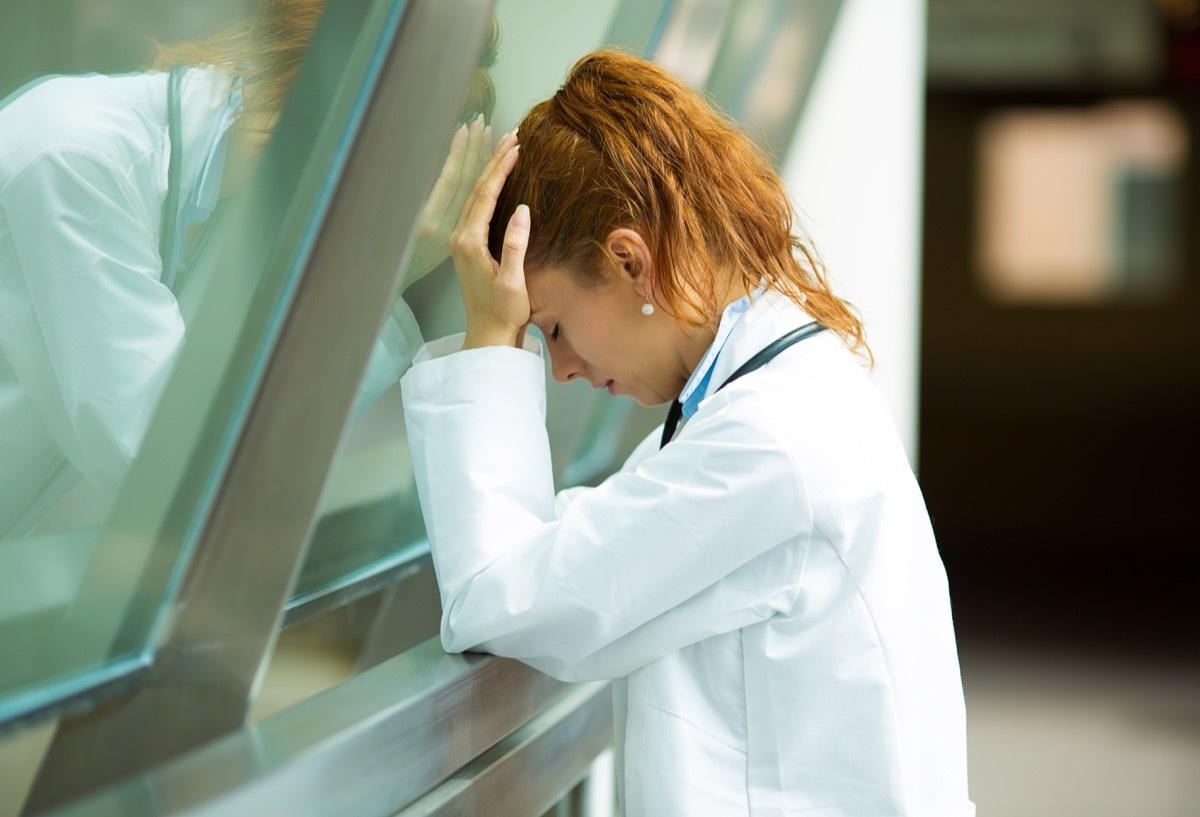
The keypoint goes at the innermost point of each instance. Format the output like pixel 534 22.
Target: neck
pixel 694 341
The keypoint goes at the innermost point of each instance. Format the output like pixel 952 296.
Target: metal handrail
pixel 383 741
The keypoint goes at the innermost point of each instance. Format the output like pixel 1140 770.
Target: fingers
pixel 476 150
pixel 451 178
pixel 480 141
pixel 481 210
pixel 512 257
pixel 494 293
pixel 476 159
pixel 497 304
pixel 482 200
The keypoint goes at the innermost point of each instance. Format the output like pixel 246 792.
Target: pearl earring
pixel 647 308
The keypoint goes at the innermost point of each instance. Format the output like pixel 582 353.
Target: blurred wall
pixel 854 173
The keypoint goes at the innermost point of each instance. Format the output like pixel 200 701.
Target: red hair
pixel 625 144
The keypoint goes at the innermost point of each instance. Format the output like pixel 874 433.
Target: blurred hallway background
pixel 1060 394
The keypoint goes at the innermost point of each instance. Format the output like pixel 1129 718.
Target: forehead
pixel 551 289
pixel 561 281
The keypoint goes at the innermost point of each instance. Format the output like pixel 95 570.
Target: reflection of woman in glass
pixel 764 589
pixel 107 185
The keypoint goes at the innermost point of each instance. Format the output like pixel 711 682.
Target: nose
pixel 565 365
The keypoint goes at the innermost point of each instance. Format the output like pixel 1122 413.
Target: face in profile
pixel 600 335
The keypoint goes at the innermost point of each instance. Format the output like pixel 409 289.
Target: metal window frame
pixel 426 732
pixel 740 64
pixel 252 538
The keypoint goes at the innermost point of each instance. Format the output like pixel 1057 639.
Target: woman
pixel 107 186
pixel 765 589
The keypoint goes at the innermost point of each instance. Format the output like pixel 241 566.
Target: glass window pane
pixel 154 218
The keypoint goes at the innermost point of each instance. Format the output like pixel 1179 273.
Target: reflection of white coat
pixel 766 590
pixel 88 331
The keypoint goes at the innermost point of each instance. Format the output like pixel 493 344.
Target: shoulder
pixel 815 383
pixel 817 403
pixel 85 120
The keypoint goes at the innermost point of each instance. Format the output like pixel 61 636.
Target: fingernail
pixel 480 117
pixel 520 216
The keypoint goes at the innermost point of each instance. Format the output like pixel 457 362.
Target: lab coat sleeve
pixel 565 497
pixel 644 449
pixel 84 321
pixel 704 537
pixel 392 354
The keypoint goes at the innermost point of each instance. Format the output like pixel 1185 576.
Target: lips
pixel 607 384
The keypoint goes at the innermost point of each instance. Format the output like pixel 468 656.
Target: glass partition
pixel 155 218
pixel 91 328
pixel 286 168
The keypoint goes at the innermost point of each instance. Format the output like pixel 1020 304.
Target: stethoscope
pixel 760 359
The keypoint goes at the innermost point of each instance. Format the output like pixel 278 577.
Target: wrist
pixel 479 337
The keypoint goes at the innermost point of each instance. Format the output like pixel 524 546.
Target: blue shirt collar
pixel 696 388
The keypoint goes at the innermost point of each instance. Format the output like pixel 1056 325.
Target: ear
pixel 635 263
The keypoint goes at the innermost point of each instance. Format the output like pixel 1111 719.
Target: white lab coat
pixel 765 591
pixel 88 331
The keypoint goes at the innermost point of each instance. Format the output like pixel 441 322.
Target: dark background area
pixel 1060 444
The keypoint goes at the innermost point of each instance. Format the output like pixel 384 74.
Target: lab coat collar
pixel 769 316
pixel 209 105
pixel 696 387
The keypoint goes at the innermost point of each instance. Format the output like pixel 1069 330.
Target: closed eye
pixel 554 334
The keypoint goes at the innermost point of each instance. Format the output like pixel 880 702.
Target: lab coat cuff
pixel 401 336
pixel 452 344
pixel 443 367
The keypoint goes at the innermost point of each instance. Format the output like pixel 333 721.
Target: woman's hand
pixel 493 293
pixel 468 154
